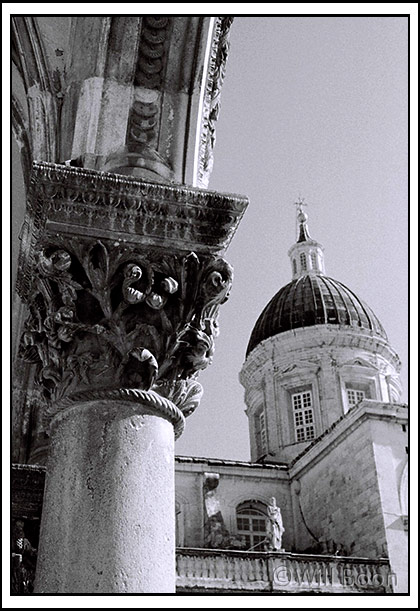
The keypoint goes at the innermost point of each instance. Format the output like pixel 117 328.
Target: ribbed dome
pixel 313 299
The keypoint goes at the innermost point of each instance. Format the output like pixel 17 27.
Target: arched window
pixel 294 266
pixel 303 265
pixel 251 524
pixel 313 260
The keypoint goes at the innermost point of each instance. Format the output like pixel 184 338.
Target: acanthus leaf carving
pixel 107 315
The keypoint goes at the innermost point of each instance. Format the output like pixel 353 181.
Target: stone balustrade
pixel 201 570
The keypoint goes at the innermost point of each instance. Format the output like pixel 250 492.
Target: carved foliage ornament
pixel 73 200
pixel 105 316
pixel 211 103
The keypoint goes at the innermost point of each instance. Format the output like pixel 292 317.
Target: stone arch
pixel 234 503
pixel 250 524
pixel 252 504
pixel 29 57
pixel 246 498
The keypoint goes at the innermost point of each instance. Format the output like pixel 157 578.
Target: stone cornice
pixel 367 409
pixel 78 201
pixel 221 462
pixel 275 352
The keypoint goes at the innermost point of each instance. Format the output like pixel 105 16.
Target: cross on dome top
pixel 306 255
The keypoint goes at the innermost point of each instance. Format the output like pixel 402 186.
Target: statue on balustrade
pixel 274 527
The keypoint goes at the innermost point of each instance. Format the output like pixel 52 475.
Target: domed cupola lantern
pixel 307 255
pixel 315 351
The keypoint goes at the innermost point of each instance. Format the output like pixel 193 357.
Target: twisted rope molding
pixel 147 398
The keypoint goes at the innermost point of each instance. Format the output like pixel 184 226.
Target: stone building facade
pixel 120 278
pixel 328 433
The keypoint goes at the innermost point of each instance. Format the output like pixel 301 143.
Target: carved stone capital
pixel 72 201
pixel 117 312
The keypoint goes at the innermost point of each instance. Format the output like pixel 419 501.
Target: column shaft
pixel 109 508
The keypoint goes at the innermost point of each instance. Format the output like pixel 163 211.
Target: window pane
pixel 310 432
pixel 251 524
pixel 258 525
pixel 306 399
pixel 308 416
pixel 300 435
pixel 242 524
pixel 355 396
pixel 303 416
pixel 297 401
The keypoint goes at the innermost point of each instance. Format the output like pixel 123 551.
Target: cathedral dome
pixel 313 299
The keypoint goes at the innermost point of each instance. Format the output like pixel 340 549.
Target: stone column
pixel 123 280
pixel 109 499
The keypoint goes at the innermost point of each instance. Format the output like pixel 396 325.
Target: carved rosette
pixel 115 313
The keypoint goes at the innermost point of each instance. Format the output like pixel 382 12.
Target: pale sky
pixel 315 106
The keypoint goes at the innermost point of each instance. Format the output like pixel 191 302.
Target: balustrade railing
pixel 229 570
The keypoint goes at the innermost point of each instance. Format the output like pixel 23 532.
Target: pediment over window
pixel 304 366
pixel 359 362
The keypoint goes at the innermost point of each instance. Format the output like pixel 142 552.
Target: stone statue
pixel 216 535
pixel 274 526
